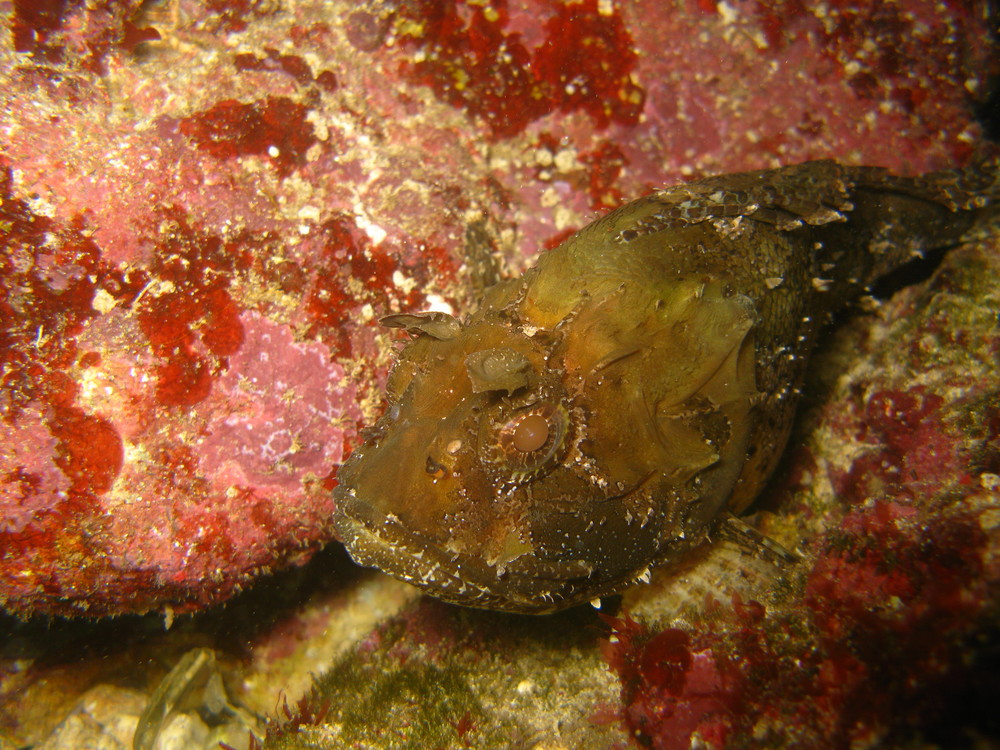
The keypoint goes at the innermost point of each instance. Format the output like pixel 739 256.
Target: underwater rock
pixel 205 208
pixel 191 708
pixel 104 717
pixel 881 633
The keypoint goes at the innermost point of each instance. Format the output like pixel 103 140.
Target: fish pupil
pixel 531 433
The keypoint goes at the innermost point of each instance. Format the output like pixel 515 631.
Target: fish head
pixel 533 458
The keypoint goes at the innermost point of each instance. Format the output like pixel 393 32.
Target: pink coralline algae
pixel 871 637
pixel 206 208
pixel 283 410
pixel 900 439
pixel 94 444
pixel 884 601
pixel 42 28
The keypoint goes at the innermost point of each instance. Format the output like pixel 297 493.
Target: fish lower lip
pixel 355 514
pixel 380 540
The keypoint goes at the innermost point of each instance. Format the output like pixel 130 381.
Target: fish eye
pixel 530 433
pixel 520 445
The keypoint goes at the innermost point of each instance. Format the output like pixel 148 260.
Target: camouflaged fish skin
pixel 604 412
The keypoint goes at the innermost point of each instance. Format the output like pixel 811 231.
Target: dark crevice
pixel 987 112
pixel 916 271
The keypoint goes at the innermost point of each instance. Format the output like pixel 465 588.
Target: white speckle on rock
pixel 103 302
pixel 437 303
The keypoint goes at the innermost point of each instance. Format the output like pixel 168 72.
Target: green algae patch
pixel 439 676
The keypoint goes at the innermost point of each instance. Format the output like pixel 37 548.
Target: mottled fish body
pixel 602 413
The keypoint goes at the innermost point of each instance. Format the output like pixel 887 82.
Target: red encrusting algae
pixel 471 59
pixel 885 589
pixel 274 126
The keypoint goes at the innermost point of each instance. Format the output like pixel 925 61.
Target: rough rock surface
pixel 206 207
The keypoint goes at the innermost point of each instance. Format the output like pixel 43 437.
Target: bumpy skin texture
pixel 605 411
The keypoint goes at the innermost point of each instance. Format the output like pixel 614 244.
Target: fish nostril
pixel 435 469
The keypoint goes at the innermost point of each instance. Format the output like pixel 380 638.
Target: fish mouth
pixel 527 586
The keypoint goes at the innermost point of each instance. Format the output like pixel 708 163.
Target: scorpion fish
pixel 605 412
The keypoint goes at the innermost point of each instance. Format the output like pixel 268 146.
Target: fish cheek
pixel 408 473
pixel 392 478
pixel 516 443
pixel 729 427
pixel 601 532
pixel 669 424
